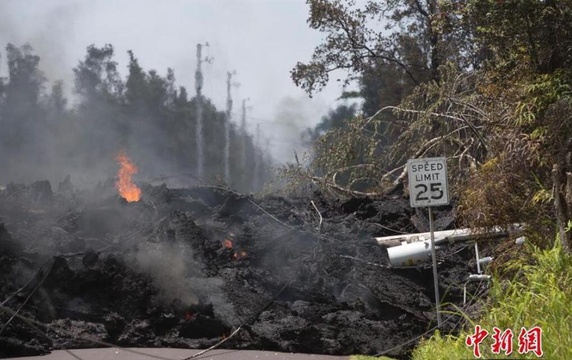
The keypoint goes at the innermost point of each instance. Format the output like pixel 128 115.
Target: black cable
pixel 28 298
pixel 32 322
pixel 25 285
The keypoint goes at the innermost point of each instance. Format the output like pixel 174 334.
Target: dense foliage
pixel 539 296
pixel 44 135
pixel 485 83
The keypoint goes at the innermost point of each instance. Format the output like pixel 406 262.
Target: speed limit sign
pixel 427 188
pixel 428 182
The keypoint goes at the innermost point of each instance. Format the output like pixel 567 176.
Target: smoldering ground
pixel 158 272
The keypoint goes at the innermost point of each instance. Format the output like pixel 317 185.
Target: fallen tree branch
pixel 388 228
pixel 347 168
pixel 470 125
pixel 344 190
pixel 388 174
pixel 319 214
pixel 421 152
pixel 215 345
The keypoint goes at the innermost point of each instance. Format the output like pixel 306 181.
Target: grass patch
pixel 540 294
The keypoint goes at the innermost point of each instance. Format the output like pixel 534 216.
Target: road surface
pixel 174 354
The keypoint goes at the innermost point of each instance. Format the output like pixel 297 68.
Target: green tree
pixel 529 71
pixel 502 120
pixel 390 47
pixel 22 95
pixel 180 128
pixel 100 89
pixel 415 36
pixel 23 127
pixel 59 120
pixel 147 110
pixel 97 76
pixel 136 88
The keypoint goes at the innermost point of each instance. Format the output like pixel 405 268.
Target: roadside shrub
pixel 540 294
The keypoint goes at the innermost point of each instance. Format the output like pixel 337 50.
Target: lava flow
pixel 236 254
pixel 127 189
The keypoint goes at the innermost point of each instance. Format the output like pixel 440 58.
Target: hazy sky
pixel 261 39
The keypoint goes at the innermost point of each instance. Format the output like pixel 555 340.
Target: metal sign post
pixel 428 187
pixel 435 275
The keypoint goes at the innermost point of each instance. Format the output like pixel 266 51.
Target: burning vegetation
pixel 127 189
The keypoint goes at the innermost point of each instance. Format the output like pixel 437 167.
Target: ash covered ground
pixel 186 267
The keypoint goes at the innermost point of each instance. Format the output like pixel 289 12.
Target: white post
pixel 199 127
pixel 478 260
pixel 227 129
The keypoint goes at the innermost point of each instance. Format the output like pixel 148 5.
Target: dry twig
pixel 215 345
pixel 319 214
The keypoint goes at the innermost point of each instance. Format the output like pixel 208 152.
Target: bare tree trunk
pixel 562 182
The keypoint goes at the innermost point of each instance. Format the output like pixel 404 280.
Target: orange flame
pixel 240 255
pixel 127 189
pixel 189 315
pixel 227 244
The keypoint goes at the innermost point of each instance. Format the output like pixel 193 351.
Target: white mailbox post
pixel 427 188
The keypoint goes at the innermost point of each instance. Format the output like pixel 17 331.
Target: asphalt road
pixel 174 354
